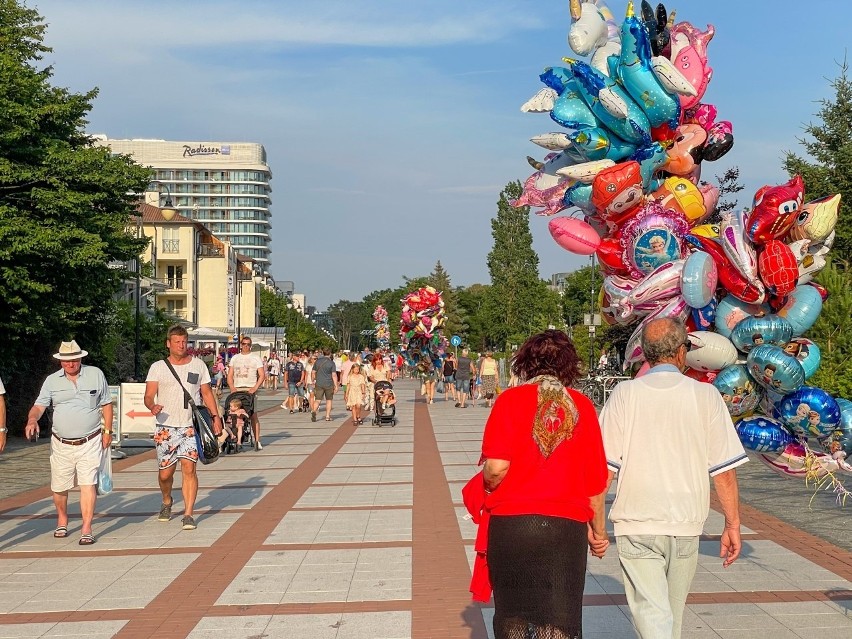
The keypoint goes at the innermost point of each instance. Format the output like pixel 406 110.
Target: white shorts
pixel 66 461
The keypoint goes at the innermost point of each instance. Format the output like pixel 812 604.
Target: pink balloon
pixel 574 235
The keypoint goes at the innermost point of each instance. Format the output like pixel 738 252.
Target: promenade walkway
pixel 343 532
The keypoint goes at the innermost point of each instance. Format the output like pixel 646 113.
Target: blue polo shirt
pixel 76 407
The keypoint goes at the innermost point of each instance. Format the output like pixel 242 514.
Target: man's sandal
pixel 61 532
pixel 87 539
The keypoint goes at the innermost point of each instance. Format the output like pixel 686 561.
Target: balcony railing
pixel 173 283
pixel 210 250
pixel 180 313
pixel 171 246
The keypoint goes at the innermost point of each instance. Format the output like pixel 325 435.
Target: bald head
pixel 661 339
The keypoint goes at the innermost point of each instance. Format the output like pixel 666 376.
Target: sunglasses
pixel 245 343
pixel 688 344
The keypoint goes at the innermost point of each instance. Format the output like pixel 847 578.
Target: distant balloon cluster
pixel 420 328
pixel 382 334
pixel 636 135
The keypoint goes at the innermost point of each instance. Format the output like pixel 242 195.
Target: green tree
pixel 832 332
pixel 65 207
pixel 472 303
pixel 829 145
pixel 301 333
pixel 518 303
pixel 440 279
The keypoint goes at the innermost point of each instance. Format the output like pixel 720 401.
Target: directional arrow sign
pixel 133 414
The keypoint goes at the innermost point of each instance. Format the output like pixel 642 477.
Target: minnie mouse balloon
pixel 574 235
pixel 802 308
pixel 754 331
pixel 739 391
pixel 810 412
pixel 778 268
pixel 763 434
pixel 773 369
pixel 652 238
pixel 710 351
pixel 699 279
pixel 806 352
pixel 731 311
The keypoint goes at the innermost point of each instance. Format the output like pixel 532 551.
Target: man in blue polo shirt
pixel 78 395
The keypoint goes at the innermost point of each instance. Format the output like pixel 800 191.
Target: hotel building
pixel 222 185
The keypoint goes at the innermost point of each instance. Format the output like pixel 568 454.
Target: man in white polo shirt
pixel 665 435
pixel 246 372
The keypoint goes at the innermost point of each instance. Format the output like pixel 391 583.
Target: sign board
pixel 231 306
pixel 592 320
pixel 135 420
pixel 115 394
pixel 455 340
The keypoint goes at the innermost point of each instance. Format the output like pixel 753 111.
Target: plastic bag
pixel 440 386
pixel 105 472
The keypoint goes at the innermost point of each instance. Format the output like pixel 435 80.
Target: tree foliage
pixel 832 332
pixel 440 280
pixel 301 333
pixel 828 144
pixel 65 207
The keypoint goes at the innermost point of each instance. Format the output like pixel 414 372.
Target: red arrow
pixel 134 414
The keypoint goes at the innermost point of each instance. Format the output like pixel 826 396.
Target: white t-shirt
pixel 308 369
pixel 2 388
pixel 176 411
pixel 245 370
pixel 665 435
pixel 274 367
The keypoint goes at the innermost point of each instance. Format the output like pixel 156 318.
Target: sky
pixel 391 127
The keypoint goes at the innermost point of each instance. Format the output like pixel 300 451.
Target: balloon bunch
pixel 420 327
pixel 637 133
pixel 380 317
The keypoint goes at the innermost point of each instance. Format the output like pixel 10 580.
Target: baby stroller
pixel 385 403
pixel 231 445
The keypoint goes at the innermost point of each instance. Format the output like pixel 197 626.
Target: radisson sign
pixel 192 151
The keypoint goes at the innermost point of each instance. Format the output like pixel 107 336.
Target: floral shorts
pixel 174 443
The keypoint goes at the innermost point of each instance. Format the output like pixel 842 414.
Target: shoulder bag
pixel 205 441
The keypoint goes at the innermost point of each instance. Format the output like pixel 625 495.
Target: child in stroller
pixel 239 407
pixel 385 403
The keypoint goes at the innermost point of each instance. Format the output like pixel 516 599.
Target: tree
pixel 729 183
pixel 65 210
pixel 832 332
pixel 829 145
pixel 518 302
pixel 440 280
pixel 301 333
pixel 472 301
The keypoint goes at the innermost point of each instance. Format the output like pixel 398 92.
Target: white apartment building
pixel 223 185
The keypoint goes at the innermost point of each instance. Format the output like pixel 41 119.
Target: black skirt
pixel 537 566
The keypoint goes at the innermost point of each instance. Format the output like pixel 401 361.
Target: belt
pixel 80 440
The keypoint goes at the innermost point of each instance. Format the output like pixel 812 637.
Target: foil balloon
pixel 729 276
pixel 552 141
pixel 662 283
pixel 681 195
pixel 598 144
pixel 710 351
pixel 574 235
pixel 738 390
pixel 810 257
pixel 588 28
pixel 652 238
pixel 617 287
pixel 551 198
pixel 763 434
pixel 720 140
pixel 617 192
pixel 658 28
pixel 706 230
pixel 773 369
pixel 802 309
pixel 611 255
pixel 731 311
pixel 778 268
pixel 686 151
pixel 580 195
pixel 775 210
pixel 754 331
pixel 704 317
pixel 699 279
pixel 615 109
pixel 676 308
pixel 564 103
pixel 806 352
pixel 705 377
pixel 710 195
pixel 839 444
pixel 651 158
pixel 689 55
pixel 816 220
pixel 737 247
pixel 810 412
pixel 637 74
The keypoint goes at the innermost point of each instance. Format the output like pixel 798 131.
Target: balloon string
pixel 823 478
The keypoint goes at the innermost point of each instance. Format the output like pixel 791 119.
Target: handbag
pixel 205 441
pixel 105 472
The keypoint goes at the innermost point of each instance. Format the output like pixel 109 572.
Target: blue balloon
pixel 704 317
pixel 739 391
pixel 840 440
pixel 732 310
pixel 806 352
pixel 802 308
pixel 698 280
pixel 773 369
pixel 580 195
pixel 754 331
pixel 810 412
pixel 599 144
pixel 763 434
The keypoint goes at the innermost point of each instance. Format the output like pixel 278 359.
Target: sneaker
pixel 291 411
pixel 313 416
pixel 258 446
pixel 165 512
pixel 283 405
pixel 188 523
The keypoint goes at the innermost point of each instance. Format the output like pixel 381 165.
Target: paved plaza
pixel 357 532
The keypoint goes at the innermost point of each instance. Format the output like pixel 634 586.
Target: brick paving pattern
pixel 344 532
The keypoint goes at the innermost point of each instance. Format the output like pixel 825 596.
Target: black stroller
pixel 385 402
pixel 231 445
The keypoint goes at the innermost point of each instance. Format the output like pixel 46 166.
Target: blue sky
pixel 392 126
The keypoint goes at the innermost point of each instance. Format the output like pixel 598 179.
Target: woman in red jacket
pixel 540 498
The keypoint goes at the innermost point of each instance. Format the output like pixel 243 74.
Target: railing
pixel 173 283
pixel 180 313
pixel 598 387
pixel 171 246
pixel 210 250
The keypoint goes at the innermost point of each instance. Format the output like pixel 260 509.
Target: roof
pixel 154 215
